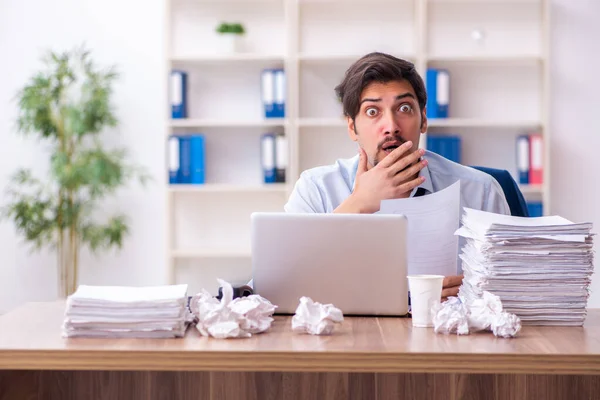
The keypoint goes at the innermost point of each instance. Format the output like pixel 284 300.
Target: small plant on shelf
pixel 230 35
pixel 233 28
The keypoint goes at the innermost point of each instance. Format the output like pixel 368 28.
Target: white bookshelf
pixel 211 252
pixel 228 58
pixel 227 123
pixel 499 89
pixel 228 188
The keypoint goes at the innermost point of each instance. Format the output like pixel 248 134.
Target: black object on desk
pixel 241 291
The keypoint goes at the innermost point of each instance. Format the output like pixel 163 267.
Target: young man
pixel 384 100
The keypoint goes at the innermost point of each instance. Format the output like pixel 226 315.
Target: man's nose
pixel 390 125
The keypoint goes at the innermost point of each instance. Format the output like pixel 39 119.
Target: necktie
pixel 420 192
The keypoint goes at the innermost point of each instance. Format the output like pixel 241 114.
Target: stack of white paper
pixel 119 311
pixel 539 267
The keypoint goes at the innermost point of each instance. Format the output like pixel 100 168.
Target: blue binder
pixel 432 144
pixel 437 82
pixel 523 158
pixel 268 158
pixel 456 151
pixel 178 96
pixel 173 159
pixel 279 93
pixel 185 170
pixel 281 157
pixel 197 164
pixel 268 93
pixel 535 209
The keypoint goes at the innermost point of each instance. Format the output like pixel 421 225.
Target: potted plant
pixel 230 35
pixel 67 106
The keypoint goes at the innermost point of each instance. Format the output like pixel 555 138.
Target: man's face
pixel 389 115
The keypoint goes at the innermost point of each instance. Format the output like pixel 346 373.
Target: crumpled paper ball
pixel 315 318
pixel 229 318
pixel 451 317
pixel 506 325
pixel 456 315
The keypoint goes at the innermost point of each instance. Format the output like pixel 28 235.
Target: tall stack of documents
pixel 539 267
pixel 127 312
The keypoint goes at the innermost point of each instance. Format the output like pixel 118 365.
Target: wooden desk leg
pixel 115 385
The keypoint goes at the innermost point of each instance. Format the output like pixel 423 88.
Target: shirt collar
pixel 427 185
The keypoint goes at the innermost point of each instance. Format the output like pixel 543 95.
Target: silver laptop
pixel 357 262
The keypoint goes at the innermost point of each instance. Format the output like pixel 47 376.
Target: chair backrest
pixel 514 197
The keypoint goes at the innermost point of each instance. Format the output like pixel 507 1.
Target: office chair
pixel 514 197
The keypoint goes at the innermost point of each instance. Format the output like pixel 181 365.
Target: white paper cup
pixel 425 292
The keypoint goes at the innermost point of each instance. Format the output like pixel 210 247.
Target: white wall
pixel 575 135
pixel 130 35
pixel 118 34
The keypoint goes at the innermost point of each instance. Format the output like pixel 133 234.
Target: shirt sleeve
pixel 305 198
pixel 496 201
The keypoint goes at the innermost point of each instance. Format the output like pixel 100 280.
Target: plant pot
pixel 229 43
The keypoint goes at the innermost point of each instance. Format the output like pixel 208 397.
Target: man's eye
pixel 406 108
pixel 371 112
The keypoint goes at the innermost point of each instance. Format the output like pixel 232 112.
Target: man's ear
pixel 351 129
pixel 424 120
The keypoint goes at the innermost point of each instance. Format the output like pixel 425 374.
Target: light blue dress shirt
pixel 323 189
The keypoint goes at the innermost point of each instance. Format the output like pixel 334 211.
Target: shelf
pixel 227 2
pixel 210 123
pixel 228 58
pixel 212 253
pixel 227 188
pixel 339 58
pixel 481 123
pixel 322 122
pixel 479 2
pixel 344 2
pixel 487 59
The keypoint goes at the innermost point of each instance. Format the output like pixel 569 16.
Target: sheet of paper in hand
pixel 432 221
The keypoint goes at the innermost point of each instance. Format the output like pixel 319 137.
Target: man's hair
pixel 377 67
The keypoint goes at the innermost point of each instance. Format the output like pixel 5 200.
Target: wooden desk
pixel 366 358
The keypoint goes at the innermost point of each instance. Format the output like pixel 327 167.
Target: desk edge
pixel 114 360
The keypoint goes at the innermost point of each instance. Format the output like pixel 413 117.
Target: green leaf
pixel 36 108
pixel 105 236
pixel 33 215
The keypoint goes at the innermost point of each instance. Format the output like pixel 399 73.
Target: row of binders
pixel 274 157
pixel 187 162
pixel 186 159
pixel 272 93
pixel 539 267
pixel 127 312
pixel 449 146
pixel 530 153
pixel 530 159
